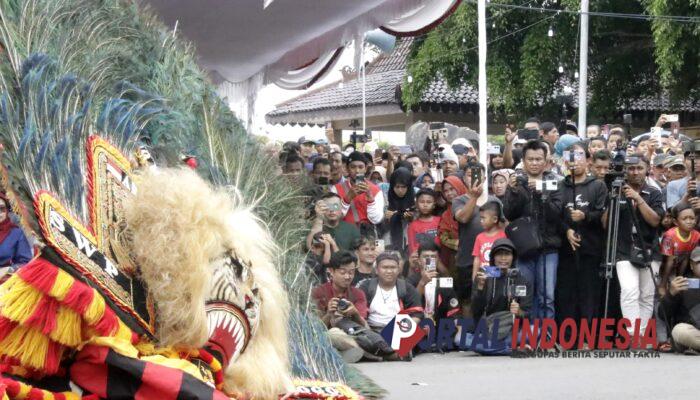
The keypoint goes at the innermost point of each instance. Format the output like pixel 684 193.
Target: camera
pixel 322 180
pixel 362 137
pixel 693 283
pixel 515 291
pixel 343 304
pixel 437 131
pixel 546 185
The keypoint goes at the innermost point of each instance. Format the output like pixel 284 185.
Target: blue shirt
pixel 15 248
pixel 675 190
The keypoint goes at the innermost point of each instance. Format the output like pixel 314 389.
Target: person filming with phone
pixel 500 293
pixel 362 201
pixel 328 219
pixel 432 270
pixel 682 306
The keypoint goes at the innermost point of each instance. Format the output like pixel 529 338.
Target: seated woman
pixel 15 250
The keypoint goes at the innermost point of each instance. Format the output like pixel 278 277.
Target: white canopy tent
pixel 246 44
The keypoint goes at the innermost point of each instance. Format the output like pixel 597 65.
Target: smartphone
pixel 528 134
pixel 693 283
pixel 491 271
pixel 475 174
pixel 405 150
pixel 430 264
pixel 360 178
pixel 672 118
pixel 656 132
pixel 494 149
pixel 334 207
pixel 379 246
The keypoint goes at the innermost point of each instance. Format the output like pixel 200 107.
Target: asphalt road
pixel 465 375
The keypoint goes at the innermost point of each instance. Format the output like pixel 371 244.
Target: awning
pixel 247 44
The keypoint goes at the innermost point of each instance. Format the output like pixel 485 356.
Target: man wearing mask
pixel 584 199
pixel 638 223
pixel 362 201
pixel 534 202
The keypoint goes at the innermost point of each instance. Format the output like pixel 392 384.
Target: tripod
pixel 616 199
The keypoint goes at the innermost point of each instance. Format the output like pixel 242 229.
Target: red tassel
pixel 39 273
pixel 79 297
pixel 6 326
pixel 44 315
pixel 108 324
pixel 53 356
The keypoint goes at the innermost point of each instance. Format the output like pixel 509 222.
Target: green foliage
pixel 625 60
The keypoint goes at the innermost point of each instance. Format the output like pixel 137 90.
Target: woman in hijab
pixel 401 206
pixel 499 182
pixel 424 181
pixel 448 230
pixel 15 250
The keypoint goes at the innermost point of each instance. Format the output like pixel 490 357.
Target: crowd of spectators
pixel 438 235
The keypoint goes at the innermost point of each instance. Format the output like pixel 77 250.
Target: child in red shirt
pixel 677 243
pixel 425 227
pixel 492 221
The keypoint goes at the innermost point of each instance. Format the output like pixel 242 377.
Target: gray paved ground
pixel 460 375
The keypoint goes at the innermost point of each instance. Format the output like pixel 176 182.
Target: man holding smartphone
pixel 328 219
pixel 362 201
pixel 431 271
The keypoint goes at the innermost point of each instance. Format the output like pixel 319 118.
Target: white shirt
pixel 385 305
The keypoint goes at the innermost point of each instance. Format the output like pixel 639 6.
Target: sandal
pixel 665 347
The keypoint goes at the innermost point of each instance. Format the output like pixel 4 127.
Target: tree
pixel 628 58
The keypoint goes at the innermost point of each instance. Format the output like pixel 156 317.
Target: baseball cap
pixel 695 255
pixel 672 161
pixel 322 141
pixel 462 141
pixel 460 149
pixel 303 140
pixel 659 160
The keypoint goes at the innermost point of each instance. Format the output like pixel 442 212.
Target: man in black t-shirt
pixel 645 204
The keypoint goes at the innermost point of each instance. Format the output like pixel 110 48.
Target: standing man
pixel 584 197
pixel 362 201
pixel 337 167
pixel 534 200
pixel 638 224
pixel 307 148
